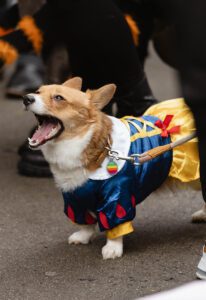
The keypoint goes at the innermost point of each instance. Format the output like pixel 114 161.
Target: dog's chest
pixel 65 161
pixel 64 155
pixel 69 180
pixel 67 154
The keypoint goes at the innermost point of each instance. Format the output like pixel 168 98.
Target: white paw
pixel 113 248
pixel 199 216
pixel 83 236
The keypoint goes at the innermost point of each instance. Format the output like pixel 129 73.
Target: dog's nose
pixel 28 99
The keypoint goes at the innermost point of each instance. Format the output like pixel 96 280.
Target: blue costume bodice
pixel 113 200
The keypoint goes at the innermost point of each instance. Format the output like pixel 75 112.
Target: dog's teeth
pixel 53 131
pixel 33 143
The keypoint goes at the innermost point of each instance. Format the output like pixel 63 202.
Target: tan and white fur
pixel 80 148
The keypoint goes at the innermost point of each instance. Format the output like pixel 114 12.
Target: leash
pixel 139 159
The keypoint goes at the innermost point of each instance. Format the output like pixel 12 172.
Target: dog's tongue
pixel 43 131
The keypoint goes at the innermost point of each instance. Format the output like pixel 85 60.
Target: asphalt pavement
pixel 36 261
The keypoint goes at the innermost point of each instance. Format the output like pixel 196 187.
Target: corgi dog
pixel 76 137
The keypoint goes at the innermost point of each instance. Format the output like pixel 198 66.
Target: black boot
pixel 27 77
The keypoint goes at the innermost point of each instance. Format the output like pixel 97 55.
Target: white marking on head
pixel 37 106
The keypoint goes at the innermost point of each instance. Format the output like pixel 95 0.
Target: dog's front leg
pixel 200 215
pixel 113 248
pixel 83 236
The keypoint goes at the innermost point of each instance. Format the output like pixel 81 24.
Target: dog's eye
pixel 37 92
pixel 58 98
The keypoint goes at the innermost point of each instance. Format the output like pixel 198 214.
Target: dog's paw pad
pixel 199 216
pixel 79 237
pixel 111 251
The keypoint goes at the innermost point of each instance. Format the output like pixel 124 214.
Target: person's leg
pixel 31 35
pixel 141 12
pixel 7 20
pixel 9 15
pixel 191 30
pixel 192 67
pixel 22 42
pixel 191 62
pixel 102 51
pixel 28 73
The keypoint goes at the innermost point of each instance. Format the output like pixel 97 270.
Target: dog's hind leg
pixel 83 236
pixel 200 215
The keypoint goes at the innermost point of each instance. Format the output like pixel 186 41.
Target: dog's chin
pixel 48 129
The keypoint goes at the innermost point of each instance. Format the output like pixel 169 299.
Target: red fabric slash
pixel 120 211
pixel 103 220
pixel 164 125
pixel 70 213
pixel 89 218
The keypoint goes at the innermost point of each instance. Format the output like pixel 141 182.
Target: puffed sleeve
pixel 117 203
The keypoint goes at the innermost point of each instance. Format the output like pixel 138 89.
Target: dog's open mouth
pixel 49 128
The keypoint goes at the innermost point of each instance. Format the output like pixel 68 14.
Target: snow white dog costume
pixel 111 199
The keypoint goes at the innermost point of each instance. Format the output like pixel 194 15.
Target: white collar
pixel 121 142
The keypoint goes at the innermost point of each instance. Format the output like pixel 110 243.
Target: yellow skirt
pixel 185 165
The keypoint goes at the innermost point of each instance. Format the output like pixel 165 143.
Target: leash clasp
pixel 135 158
pixel 116 155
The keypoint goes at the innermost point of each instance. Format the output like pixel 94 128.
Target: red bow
pixel 164 125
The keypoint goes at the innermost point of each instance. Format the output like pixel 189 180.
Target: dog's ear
pixel 75 83
pixel 102 96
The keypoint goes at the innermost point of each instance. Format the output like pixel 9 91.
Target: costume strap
pixel 133 28
pixel 32 32
pixel 8 53
pixel 4 31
